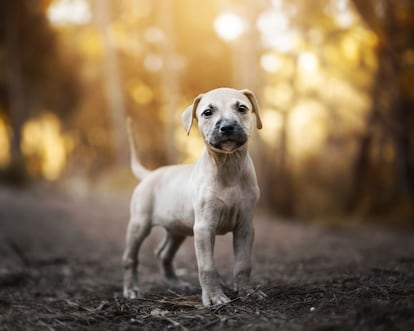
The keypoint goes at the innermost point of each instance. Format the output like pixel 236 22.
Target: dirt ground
pixel 60 269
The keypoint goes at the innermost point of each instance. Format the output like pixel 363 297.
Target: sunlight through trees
pixel 334 79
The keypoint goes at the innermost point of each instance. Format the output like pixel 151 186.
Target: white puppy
pixel 215 195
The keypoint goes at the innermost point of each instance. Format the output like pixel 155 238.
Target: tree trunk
pixel 393 120
pixel 15 87
pixel 113 84
pixel 169 81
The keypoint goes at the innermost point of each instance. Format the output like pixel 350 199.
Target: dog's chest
pixel 230 206
pixel 227 218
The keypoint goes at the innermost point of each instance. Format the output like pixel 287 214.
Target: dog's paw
pixel 212 298
pixel 132 293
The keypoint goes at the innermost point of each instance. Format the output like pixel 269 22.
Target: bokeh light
pixel 229 26
pixel 69 12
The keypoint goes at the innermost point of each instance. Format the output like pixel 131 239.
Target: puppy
pixel 215 195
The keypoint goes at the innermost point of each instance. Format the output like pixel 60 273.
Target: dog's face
pixel 225 117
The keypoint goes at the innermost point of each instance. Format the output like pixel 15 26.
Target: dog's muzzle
pixel 227 136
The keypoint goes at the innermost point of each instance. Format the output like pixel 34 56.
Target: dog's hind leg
pixel 166 252
pixel 138 229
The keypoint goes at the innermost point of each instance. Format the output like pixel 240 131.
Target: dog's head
pixel 225 117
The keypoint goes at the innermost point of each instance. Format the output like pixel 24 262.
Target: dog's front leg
pixel 243 237
pixel 204 237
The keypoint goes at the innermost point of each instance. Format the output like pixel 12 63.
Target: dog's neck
pixel 227 166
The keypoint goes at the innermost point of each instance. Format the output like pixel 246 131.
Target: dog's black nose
pixel 226 128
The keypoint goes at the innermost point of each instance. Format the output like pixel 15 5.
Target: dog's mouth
pixel 226 137
pixel 227 144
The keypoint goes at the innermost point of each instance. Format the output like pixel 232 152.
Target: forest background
pixel 335 80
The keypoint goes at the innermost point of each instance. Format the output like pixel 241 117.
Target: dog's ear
pixel 252 98
pixel 189 114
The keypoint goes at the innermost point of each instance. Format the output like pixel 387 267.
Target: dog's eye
pixel 242 109
pixel 207 113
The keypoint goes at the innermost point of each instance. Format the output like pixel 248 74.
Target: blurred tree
pixel 36 77
pixel 308 72
pixel 169 84
pixel 387 176
pixel 113 82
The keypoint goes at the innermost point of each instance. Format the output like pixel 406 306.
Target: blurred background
pixel 335 80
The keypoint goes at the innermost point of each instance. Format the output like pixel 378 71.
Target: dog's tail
pixel 137 168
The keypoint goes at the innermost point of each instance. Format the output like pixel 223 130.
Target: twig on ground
pixel 210 324
pixel 46 325
pixel 163 314
pixel 241 298
pixel 91 310
pixel 175 293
